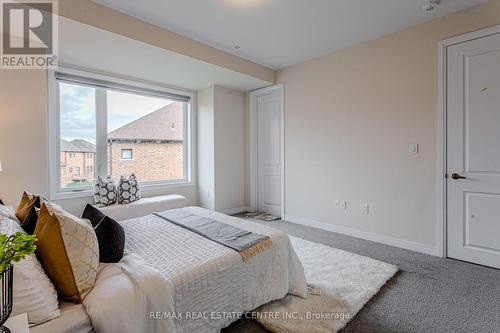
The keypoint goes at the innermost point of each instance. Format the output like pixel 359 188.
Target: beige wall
pixel 222 149
pixel 23 134
pixel 349 117
pixel 206 164
pixel 229 149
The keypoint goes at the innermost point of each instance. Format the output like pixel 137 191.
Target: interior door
pixel 269 127
pixel 473 148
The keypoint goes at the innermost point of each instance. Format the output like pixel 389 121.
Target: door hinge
pixel 445 176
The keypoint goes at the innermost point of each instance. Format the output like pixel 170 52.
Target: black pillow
pixel 111 239
pixel 29 223
pixel 93 214
pixel 110 234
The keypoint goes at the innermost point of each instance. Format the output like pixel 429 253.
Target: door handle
pixel 457 176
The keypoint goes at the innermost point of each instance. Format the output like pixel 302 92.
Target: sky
pixel 77 104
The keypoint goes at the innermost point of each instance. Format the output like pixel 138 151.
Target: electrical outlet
pixel 365 209
pixel 337 204
pixel 343 205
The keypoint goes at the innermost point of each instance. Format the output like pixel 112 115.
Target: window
pixel 115 127
pixel 126 154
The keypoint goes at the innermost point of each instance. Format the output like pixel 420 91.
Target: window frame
pixel 131 154
pixel 54 173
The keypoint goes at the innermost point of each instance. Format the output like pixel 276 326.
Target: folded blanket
pixel 130 297
pixel 246 243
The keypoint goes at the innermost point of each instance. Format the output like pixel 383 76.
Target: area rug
pixel 262 216
pixel 340 284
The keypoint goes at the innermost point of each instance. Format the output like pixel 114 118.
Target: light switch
pixel 413 148
pixel 343 205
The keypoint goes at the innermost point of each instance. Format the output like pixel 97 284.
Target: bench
pixel 144 206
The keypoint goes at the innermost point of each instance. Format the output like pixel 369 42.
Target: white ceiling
pixel 116 54
pixel 279 33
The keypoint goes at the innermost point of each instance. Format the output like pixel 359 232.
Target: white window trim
pixel 131 155
pixel 53 126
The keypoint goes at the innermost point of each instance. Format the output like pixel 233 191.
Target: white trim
pixel 441 153
pixel 470 36
pixel 254 199
pixel 441 232
pixel 53 124
pixel 370 236
pixel 234 211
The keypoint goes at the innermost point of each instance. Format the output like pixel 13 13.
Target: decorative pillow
pixel 28 201
pixel 104 192
pixel 92 214
pixel 68 250
pixel 110 235
pixel 33 293
pixel 128 190
pixel 29 222
pixel 111 238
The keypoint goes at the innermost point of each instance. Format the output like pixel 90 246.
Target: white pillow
pixel 33 293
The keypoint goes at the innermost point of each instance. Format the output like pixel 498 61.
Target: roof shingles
pixel 164 124
pixel 77 145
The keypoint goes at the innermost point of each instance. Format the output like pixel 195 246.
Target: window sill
pixel 145 189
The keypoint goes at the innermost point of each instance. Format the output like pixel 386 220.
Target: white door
pixel 269 159
pixel 473 145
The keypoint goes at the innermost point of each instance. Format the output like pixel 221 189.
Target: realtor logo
pixel 29 34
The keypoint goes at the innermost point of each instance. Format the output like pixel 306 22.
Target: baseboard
pixel 233 211
pixel 378 238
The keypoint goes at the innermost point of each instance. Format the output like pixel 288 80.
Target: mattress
pixel 73 319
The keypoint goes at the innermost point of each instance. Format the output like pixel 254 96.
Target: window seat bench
pixel 144 206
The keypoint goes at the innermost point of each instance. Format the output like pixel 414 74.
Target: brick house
pixel 77 162
pixel 151 147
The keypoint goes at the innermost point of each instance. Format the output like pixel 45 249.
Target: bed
pixel 209 285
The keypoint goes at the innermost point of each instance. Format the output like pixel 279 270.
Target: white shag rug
pixel 345 282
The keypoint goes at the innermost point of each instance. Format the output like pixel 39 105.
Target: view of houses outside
pixel 77 163
pixel 151 147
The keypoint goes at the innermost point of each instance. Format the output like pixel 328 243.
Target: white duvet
pixel 173 280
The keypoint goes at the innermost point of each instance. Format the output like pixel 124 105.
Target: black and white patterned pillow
pixel 128 190
pixel 104 192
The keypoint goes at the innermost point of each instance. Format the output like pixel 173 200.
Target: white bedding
pixel 210 281
pixel 125 294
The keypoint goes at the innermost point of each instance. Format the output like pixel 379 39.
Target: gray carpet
pixel 429 294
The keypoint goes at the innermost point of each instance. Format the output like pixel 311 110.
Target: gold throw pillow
pixel 68 250
pixel 27 202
